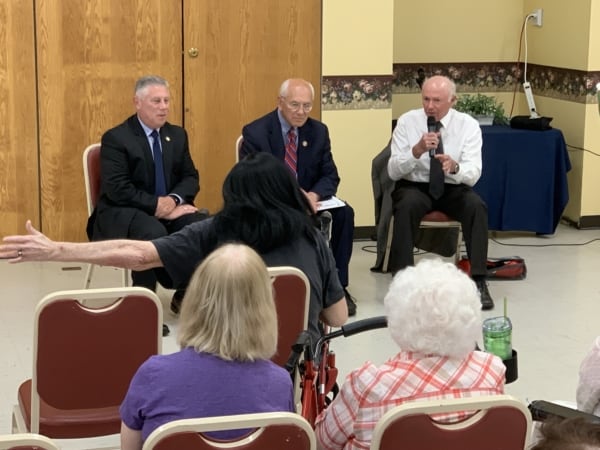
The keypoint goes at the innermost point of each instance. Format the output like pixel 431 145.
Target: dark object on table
pixel 528 123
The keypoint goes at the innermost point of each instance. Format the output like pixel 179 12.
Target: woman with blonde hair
pixel 228 333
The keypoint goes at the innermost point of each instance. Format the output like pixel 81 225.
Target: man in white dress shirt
pixel 437 138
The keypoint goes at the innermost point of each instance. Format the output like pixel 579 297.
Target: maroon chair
pixel 87 346
pixel 292 298
pixel 275 430
pixel 499 422
pixel 91 176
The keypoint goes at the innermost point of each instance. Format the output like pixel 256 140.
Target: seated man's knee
pixel 408 199
pixel 474 202
pixel 147 230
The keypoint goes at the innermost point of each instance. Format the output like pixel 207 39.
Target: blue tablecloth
pixel 524 178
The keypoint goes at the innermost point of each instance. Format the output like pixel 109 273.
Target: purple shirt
pixel 188 384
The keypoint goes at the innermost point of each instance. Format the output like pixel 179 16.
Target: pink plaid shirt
pixel 370 391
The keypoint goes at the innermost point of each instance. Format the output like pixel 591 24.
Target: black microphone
pixel 431 128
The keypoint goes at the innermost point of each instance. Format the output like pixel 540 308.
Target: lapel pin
pixel 168 139
pixel 304 144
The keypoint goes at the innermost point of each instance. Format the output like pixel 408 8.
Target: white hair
pixel 434 308
pixel 283 89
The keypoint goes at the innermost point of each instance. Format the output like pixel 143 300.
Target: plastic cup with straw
pixel 497 334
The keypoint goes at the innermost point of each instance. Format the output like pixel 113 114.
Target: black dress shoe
pixel 166 330
pixel 350 302
pixel 486 299
pixel 176 301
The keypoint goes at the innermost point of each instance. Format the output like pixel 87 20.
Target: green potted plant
pixel 484 108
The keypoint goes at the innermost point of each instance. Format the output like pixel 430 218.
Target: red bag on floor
pixel 507 268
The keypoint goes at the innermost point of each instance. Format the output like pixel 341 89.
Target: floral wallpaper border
pixel 566 84
pixel 356 92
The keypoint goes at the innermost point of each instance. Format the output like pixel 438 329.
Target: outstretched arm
pixel 35 246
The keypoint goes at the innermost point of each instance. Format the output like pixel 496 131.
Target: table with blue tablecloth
pixel 524 178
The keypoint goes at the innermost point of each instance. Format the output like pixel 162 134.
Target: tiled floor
pixel 555 311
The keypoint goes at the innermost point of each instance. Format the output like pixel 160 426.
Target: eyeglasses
pixel 295 106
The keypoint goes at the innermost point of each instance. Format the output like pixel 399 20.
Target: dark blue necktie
pixel 160 188
pixel 436 173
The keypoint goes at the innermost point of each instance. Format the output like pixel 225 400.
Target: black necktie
pixel 436 173
pixel 160 188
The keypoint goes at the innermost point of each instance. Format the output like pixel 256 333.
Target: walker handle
pixel 358 326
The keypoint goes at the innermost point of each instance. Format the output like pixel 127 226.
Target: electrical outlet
pixel 537 16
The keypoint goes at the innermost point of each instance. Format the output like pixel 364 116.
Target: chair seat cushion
pixel 436 216
pixel 67 424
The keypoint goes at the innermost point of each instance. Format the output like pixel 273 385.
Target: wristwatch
pixel 176 199
pixel 456 169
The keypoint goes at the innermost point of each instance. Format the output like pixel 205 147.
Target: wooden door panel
pixel 19 185
pixel 246 48
pixel 89 55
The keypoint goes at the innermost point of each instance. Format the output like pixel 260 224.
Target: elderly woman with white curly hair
pixel 434 315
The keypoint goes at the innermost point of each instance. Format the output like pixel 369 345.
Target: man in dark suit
pixel 148 181
pixel 302 143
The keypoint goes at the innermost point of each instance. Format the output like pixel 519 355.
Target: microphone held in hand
pixel 431 128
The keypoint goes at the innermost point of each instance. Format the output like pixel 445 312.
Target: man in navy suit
pixel 302 143
pixel 148 181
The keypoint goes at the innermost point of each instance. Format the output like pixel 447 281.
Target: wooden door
pixel 89 55
pixel 246 48
pixel 19 184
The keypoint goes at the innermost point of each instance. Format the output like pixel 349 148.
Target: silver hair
pixel 149 80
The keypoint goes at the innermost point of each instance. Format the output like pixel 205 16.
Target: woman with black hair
pixel 263 207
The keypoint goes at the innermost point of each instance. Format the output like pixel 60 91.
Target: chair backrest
pixel 292 298
pixel 499 422
pixel 91 175
pixel 26 441
pixel 238 147
pixel 89 343
pixel 279 430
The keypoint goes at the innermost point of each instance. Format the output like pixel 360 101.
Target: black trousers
pixel 411 201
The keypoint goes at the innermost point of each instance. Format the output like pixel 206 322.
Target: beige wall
pixel 357 41
pixel 564 38
pixel 357 136
pixel 457 31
